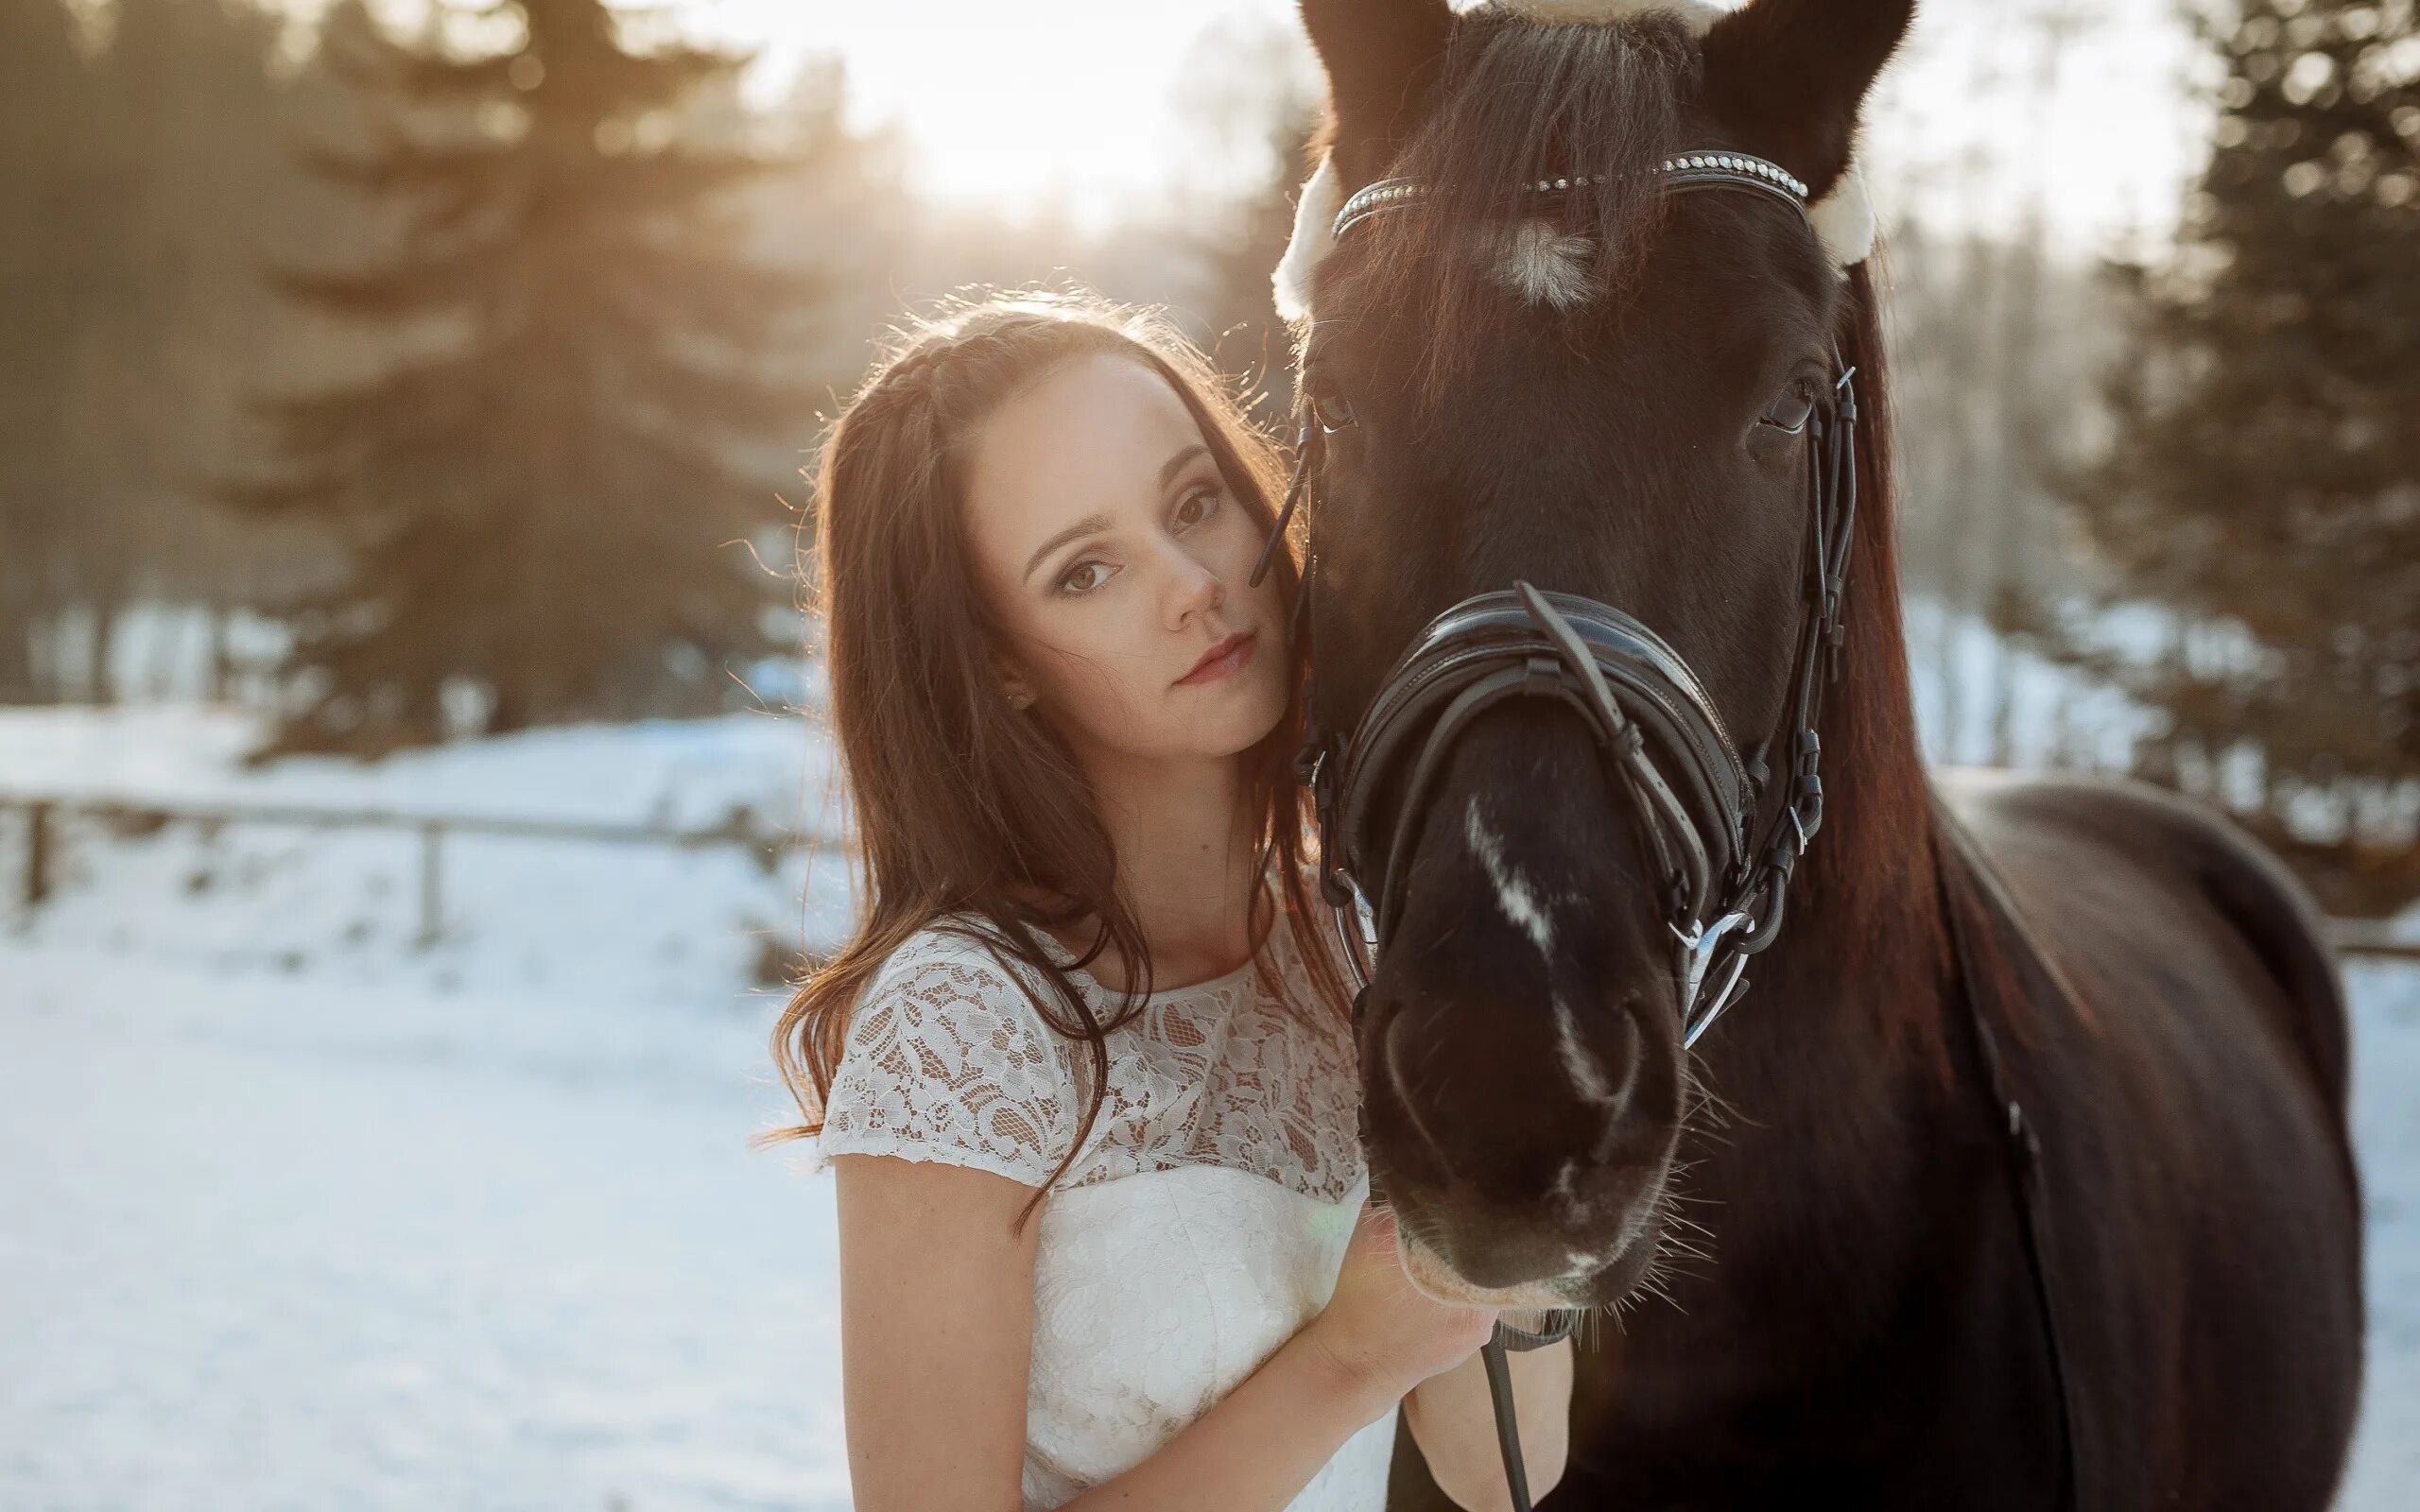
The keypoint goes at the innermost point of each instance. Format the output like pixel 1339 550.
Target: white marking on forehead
pixel 1511 893
pixel 1545 267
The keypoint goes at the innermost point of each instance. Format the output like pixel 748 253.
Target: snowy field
pixel 298 1214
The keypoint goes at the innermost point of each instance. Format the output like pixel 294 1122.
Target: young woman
pixel 1085 1075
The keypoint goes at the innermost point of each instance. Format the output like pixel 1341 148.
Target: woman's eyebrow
pixel 1169 469
pixel 1089 525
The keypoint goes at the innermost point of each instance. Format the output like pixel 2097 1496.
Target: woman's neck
pixel 1187 854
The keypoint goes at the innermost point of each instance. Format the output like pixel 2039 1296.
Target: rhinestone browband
pixel 1687 170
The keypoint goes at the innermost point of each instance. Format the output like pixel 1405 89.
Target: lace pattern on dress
pixel 946 1060
pixel 950 1059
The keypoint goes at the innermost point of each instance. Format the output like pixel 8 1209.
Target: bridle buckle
pixel 1699 943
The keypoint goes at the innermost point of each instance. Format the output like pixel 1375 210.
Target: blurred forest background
pixel 411 383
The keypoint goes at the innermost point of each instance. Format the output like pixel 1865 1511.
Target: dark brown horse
pixel 1823 1197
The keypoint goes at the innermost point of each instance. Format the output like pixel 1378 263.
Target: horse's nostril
pixel 1510 1093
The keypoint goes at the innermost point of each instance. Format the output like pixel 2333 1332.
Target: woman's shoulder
pixel 963 943
pixel 957 963
pixel 948 1058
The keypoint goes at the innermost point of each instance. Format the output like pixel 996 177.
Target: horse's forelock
pixel 1520 102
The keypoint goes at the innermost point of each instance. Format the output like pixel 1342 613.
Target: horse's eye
pixel 1328 405
pixel 1792 410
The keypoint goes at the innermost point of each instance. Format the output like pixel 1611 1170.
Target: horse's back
pixel 2071 827
pixel 2190 1091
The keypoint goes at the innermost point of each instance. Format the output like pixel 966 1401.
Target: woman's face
pixel 1111 550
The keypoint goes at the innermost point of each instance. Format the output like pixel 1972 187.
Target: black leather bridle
pixel 1723 883
pixel 1723 878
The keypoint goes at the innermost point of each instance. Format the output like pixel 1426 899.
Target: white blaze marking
pixel 1513 894
pixel 1521 906
pixel 1587 1074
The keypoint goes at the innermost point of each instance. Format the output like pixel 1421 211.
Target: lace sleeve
pixel 947 1059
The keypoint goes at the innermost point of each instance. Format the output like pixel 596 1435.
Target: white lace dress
pixel 1202 1224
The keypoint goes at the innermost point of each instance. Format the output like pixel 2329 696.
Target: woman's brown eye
pixel 1074 582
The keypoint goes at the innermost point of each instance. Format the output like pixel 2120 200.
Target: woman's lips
pixel 1221 659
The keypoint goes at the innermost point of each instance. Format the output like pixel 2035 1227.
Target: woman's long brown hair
pixel 962 805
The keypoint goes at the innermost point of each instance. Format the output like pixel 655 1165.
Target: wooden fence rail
pixel 766 845
pixel 2365 937
pixel 2352 937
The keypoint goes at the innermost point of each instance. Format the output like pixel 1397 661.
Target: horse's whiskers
pixel 1682 1247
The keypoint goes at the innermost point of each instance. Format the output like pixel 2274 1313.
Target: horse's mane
pixel 1869 862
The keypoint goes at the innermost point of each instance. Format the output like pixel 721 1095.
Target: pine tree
pixel 1247 99
pixel 549 503
pixel 2264 484
pixel 177 316
pixel 55 199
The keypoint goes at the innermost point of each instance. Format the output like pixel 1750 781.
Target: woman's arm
pixel 937 1342
pixel 1452 1418
pixel 1260 1444
pixel 936 1333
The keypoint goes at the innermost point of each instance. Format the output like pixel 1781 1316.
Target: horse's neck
pixel 1840 1037
pixel 1863 948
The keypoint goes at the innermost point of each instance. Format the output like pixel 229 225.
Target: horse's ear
pixel 1791 74
pixel 1380 56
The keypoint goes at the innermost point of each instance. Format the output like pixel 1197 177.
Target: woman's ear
pixel 1013 686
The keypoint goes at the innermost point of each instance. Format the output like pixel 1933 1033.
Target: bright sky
pixel 1003 101
pixel 1014 104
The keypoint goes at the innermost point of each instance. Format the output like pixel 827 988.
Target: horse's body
pixel 1594 395
pixel 1865 1331
pixel 1862 1329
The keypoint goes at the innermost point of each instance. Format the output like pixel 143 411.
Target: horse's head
pixel 1607 392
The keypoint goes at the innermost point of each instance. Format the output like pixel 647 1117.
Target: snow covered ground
pixel 2386 1125
pixel 275 1242
pixel 295 1213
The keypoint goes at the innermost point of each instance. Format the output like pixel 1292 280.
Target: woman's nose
pixel 1194 589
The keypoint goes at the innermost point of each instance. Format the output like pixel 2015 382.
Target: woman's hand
pixel 1377 1325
